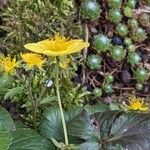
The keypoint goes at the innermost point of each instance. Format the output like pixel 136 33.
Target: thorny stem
pixel 85 51
pixel 60 104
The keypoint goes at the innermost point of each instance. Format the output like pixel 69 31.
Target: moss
pixel 29 21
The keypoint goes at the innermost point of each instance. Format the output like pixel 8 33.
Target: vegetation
pixel 74 75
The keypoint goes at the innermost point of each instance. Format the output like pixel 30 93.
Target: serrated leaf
pixel 50 124
pixel 132 131
pixel 72 113
pixel 82 127
pixel 104 121
pixel 30 140
pixel 14 91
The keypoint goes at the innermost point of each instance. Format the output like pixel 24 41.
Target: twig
pixel 123 88
pixel 146 10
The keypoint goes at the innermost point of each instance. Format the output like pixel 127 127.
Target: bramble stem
pixel 60 104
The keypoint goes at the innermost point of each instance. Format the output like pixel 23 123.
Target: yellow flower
pixel 33 60
pixel 136 104
pixel 57 46
pixel 8 64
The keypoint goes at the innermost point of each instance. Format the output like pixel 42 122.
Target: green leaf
pixel 19 124
pixel 104 122
pixel 96 108
pixel 14 91
pixel 90 146
pixel 4 138
pixel 82 127
pixel 113 147
pixel 30 140
pixel 50 124
pixel 47 100
pixel 6 126
pixel 6 120
pixel 57 144
pixel 72 113
pixel 132 131
pixel 114 106
pixel 5 84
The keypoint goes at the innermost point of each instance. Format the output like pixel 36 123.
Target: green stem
pixel 31 98
pixel 60 104
pixel 34 118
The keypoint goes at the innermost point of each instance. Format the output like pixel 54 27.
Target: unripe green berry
pixel 144 19
pixel 114 16
pixel 138 35
pixel 90 10
pixel 97 92
pixel 122 29
pixel 117 53
pixel 132 24
pixel 108 78
pixel 139 86
pixel 101 43
pixel 131 48
pixel 131 3
pixel 94 61
pixel 128 12
pixel 114 3
pixel 127 41
pixel 107 88
pixel 141 75
pixel 133 58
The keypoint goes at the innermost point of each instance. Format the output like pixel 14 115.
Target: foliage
pixel 119 38
pixel 99 129
pixel 22 138
pixel 94 127
pixel 39 82
pixel 25 21
pixel 6 82
pixel 90 9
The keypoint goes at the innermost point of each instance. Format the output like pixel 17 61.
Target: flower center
pixel 59 43
pixel 136 105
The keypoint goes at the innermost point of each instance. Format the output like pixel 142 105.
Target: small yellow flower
pixel 57 46
pixel 136 104
pixel 8 64
pixel 33 60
